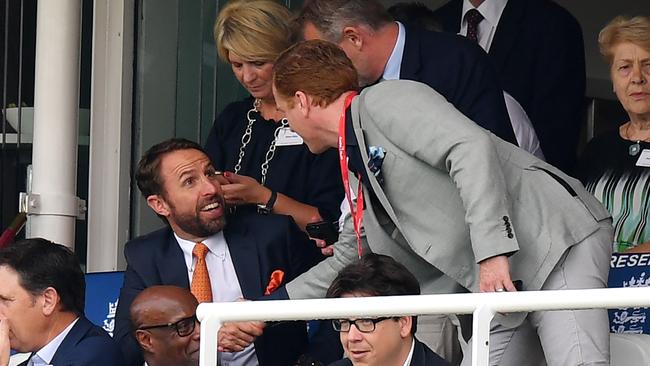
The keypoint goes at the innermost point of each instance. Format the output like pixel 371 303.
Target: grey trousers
pixel 440 334
pixel 562 338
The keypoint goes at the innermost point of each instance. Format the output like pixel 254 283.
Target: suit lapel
pixel 71 339
pixel 507 32
pixel 418 355
pixel 244 254
pixel 376 187
pixel 172 267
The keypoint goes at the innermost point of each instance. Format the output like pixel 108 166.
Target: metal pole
pixel 53 205
pixel 19 129
pixel 110 137
pixel 3 145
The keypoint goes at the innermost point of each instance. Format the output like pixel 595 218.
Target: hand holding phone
pixel 325 230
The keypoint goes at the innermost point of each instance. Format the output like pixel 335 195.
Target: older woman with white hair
pixel 615 167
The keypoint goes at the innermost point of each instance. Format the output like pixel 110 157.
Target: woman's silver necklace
pixel 246 138
pixel 633 149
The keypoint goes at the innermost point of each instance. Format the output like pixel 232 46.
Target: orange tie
pixel 201 288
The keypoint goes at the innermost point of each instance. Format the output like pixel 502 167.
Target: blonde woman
pixel 268 166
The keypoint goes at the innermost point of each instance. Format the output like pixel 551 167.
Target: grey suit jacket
pixel 453 195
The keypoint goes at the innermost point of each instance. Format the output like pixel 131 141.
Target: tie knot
pixel 473 17
pixel 200 250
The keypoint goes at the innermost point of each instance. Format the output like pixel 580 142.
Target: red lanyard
pixel 357 215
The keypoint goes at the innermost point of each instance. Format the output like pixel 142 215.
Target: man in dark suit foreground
pixel 165 325
pixel 246 258
pixel 537 49
pixel 380 341
pixel 42 302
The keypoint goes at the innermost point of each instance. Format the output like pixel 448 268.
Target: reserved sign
pixel 629 270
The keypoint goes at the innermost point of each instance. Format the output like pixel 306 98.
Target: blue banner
pixel 102 293
pixel 629 270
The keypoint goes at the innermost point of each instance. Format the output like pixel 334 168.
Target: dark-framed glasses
pixel 183 327
pixel 365 325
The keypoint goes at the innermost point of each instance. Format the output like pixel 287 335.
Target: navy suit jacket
pixel 258 245
pixel 86 345
pixel 538 52
pixel 422 356
pixel 461 71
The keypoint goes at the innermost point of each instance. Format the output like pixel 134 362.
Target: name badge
pixel 287 137
pixel 644 158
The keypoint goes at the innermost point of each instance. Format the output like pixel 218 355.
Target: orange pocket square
pixel 274 283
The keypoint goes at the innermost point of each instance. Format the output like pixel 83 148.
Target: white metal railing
pixel 483 306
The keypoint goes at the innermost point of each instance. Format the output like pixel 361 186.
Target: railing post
pixel 481 335
pixel 209 339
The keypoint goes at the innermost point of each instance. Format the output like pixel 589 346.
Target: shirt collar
pixel 394 64
pixel 408 359
pixel 490 9
pixel 47 353
pixel 215 243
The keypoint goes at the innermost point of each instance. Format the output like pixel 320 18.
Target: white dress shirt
pixel 491 11
pixel 523 127
pixel 45 355
pixel 394 65
pixel 224 284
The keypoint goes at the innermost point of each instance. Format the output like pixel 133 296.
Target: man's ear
pixel 303 102
pixel 406 323
pixel 158 204
pixel 144 340
pixel 51 300
pixel 353 35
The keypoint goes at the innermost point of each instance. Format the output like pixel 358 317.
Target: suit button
pixel 510 235
pixel 506 219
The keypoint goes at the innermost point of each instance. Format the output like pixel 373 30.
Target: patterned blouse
pixel 608 169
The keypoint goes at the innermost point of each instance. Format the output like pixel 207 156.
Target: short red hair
pixel 318 68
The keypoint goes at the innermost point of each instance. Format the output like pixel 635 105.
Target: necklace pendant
pixel 634 149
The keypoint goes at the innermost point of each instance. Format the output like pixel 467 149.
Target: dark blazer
pixel 461 71
pixel 86 345
pixel 538 52
pixel 258 244
pixel 422 356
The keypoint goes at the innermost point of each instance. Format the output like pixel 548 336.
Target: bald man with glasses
pixel 165 326
pixel 383 341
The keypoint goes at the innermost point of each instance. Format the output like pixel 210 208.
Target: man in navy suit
pixel 537 49
pixel 382 49
pixel 380 341
pixel 246 258
pixel 42 302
